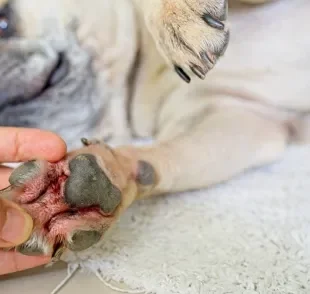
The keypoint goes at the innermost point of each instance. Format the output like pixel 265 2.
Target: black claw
pixel 212 22
pixel 182 74
pixel 85 142
pixel 198 71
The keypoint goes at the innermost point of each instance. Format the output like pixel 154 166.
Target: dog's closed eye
pixel 6 23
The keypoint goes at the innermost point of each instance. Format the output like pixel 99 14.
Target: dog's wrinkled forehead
pixel 46 77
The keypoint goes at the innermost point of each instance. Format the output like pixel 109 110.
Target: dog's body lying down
pixel 241 115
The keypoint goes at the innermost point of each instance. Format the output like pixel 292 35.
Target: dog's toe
pixel 89 186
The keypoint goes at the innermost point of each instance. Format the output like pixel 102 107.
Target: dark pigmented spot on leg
pixel 82 240
pixel 89 186
pixel 146 174
pixel 24 173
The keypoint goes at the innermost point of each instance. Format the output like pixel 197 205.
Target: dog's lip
pixel 57 74
pixel 60 71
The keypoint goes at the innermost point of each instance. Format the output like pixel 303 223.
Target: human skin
pixel 18 145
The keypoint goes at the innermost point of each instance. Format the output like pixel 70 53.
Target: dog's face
pixel 46 77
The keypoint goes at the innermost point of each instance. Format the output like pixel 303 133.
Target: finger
pixel 15 224
pixel 12 261
pixel 21 144
pixel 5 173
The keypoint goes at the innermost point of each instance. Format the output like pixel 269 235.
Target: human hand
pixel 17 145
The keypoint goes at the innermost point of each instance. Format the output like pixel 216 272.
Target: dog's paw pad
pixel 89 186
pixel 72 203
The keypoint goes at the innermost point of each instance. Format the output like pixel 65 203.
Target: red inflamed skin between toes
pixel 75 200
pixel 20 145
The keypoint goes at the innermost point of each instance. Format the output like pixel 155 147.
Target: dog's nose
pixel 60 71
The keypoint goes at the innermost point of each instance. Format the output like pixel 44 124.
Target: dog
pixel 220 87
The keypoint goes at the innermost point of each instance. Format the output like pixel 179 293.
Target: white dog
pixel 209 125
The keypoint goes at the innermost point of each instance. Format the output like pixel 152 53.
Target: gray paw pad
pixel 24 173
pixel 33 250
pixel 89 186
pixel 82 240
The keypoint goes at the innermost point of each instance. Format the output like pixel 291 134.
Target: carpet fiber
pixel 250 235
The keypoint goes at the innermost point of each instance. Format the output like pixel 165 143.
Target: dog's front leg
pixel 220 146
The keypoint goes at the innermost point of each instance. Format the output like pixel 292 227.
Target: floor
pixel 45 280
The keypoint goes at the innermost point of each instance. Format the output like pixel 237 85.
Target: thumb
pixel 15 224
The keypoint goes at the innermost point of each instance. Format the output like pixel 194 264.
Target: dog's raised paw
pixel 191 34
pixel 74 201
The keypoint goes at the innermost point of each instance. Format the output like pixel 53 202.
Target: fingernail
pixel 17 227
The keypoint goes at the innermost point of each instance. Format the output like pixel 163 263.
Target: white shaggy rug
pixel 251 235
